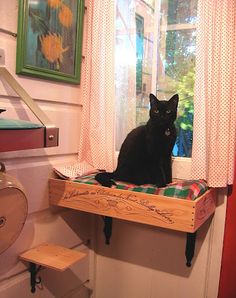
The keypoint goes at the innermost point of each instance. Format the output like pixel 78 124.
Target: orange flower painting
pixel 54 3
pixel 65 16
pixel 51 47
pixel 54 37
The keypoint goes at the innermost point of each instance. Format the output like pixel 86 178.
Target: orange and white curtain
pixel 214 136
pixel 98 118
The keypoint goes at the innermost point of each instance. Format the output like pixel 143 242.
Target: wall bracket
pixel 34 280
pixel 47 136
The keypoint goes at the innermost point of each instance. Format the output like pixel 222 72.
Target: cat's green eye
pixel 168 111
pixel 156 111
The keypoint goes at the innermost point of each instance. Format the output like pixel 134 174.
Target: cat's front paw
pixel 104 180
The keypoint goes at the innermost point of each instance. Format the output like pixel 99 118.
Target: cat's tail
pixel 105 178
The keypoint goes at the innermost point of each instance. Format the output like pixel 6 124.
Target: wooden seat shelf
pixel 50 256
pixel 156 210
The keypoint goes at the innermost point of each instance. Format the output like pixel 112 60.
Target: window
pixel 155 53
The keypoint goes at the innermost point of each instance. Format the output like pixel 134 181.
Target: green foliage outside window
pixel 184 121
pixel 180 70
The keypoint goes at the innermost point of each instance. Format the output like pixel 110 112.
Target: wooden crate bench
pixel 157 210
pixel 174 213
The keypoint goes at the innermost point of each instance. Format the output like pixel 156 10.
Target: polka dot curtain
pixel 215 93
pixel 97 131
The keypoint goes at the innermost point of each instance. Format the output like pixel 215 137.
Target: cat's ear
pixel 153 99
pixel 174 100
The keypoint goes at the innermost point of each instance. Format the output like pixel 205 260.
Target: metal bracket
pixel 25 97
pixel 34 280
pixel 190 248
pixel 107 230
pixel 51 136
pixel 51 133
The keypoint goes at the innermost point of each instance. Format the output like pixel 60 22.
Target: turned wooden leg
pixel 190 247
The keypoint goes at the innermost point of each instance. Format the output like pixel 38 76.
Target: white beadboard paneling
pixel 8 44
pixel 33 174
pixel 122 281
pixel 16 109
pixel 20 287
pixel 37 88
pixel 62 104
pixel 148 262
pixel 9 11
pixel 216 246
pixel 67 228
pixel 70 283
pixel 66 93
pixel 34 179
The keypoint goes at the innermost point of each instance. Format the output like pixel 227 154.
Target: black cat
pixel 145 155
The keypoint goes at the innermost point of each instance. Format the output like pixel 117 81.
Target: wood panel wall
pixel 63 105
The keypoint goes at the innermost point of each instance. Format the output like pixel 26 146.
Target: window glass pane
pixel 157 58
pixel 176 74
pixel 179 11
pixel 176 65
pixel 133 63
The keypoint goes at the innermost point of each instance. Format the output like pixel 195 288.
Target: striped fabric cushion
pixel 185 189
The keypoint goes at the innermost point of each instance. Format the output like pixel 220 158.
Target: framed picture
pixel 49 39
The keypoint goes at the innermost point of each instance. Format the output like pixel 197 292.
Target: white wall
pixel 149 262
pixel 63 105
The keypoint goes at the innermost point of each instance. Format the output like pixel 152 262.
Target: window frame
pixel 181 166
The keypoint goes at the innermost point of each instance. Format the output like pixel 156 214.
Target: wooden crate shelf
pixel 156 210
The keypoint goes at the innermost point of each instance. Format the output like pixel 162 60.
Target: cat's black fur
pixel 145 155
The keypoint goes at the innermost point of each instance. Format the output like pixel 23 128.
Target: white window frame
pixel 181 166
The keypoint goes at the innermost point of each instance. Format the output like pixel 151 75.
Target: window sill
pixel 181 167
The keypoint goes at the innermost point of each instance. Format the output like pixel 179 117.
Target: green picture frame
pixel 49 39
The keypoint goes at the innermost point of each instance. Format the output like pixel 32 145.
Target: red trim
pixel 20 139
pixel 227 286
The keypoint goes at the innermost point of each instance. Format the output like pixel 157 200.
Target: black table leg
pixel 107 230
pixel 190 247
